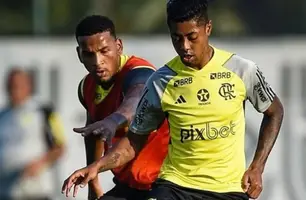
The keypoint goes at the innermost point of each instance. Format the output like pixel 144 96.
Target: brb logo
pixel 183 81
pixel 220 75
pixel 206 132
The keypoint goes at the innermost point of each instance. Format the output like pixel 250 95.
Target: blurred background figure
pixel 31 141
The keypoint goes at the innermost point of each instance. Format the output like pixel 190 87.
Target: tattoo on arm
pixel 269 130
pixel 126 112
pixel 123 152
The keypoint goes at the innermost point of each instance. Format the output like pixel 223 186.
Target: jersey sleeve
pixel 259 92
pixel 149 114
pixel 53 127
pixel 81 93
pixel 57 129
pixel 136 76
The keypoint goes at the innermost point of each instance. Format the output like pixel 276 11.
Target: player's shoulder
pixel 82 82
pixel 164 72
pixel 161 77
pixel 175 64
pixel 136 62
pixel 240 65
pixel 237 61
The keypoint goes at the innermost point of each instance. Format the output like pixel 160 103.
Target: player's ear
pixel 79 54
pixel 208 28
pixel 119 46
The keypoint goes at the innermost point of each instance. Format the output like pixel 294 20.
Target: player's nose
pixel 186 45
pixel 98 61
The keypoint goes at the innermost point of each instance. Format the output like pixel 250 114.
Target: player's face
pixel 20 88
pixel 190 41
pixel 100 54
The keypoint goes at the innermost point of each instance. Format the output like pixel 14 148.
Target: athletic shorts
pixel 124 192
pixel 166 190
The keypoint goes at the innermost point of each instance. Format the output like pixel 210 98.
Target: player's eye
pixel 104 51
pixel 192 37
pixel 87 53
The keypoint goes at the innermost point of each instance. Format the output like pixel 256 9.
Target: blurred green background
pixel 231 17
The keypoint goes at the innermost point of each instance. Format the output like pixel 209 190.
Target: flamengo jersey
pixel 205 111
pixel 100 103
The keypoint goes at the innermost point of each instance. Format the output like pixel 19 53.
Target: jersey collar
pixel 218 59
pixel 123 61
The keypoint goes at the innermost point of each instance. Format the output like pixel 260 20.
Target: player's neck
pixel 14 103
pixel 107 85
pixel 208 54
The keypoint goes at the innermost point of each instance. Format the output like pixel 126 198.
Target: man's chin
pixel 102 79
pixel 186 63
pixel 191 63
pixel 105 80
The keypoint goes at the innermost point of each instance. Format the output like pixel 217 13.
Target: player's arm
pixel 132 89
pixel 93 145
pixel 265 101
pixel 94 149
pixel 149 116
pixel 133 86
pixel 269 130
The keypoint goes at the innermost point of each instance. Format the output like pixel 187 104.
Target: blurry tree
pixel 105 7
pixel 65 14
pixel 230 18
pixel 15 16
pixel 226 21
pixel 273 17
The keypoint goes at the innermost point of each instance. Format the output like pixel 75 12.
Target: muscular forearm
pixel 94 150
pixel 126 111
pixel 120 154
pixel 268 134
pixel 123 152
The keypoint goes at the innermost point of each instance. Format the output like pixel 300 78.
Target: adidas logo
pixel 180 100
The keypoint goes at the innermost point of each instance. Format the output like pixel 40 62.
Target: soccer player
pixel 202 93
pixel 110 93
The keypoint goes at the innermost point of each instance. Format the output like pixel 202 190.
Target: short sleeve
pixel 149 114
pixel 53 127
pixel 136 76
pixel 57 129
pixel 259 92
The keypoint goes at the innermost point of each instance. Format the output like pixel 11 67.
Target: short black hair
pixel 185 10
pixel 94 24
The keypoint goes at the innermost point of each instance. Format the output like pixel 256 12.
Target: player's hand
pixel 105 129
pixel 80 178
pixel 252 182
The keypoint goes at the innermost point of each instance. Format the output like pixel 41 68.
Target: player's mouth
pixel 101 73
pixel 188 57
